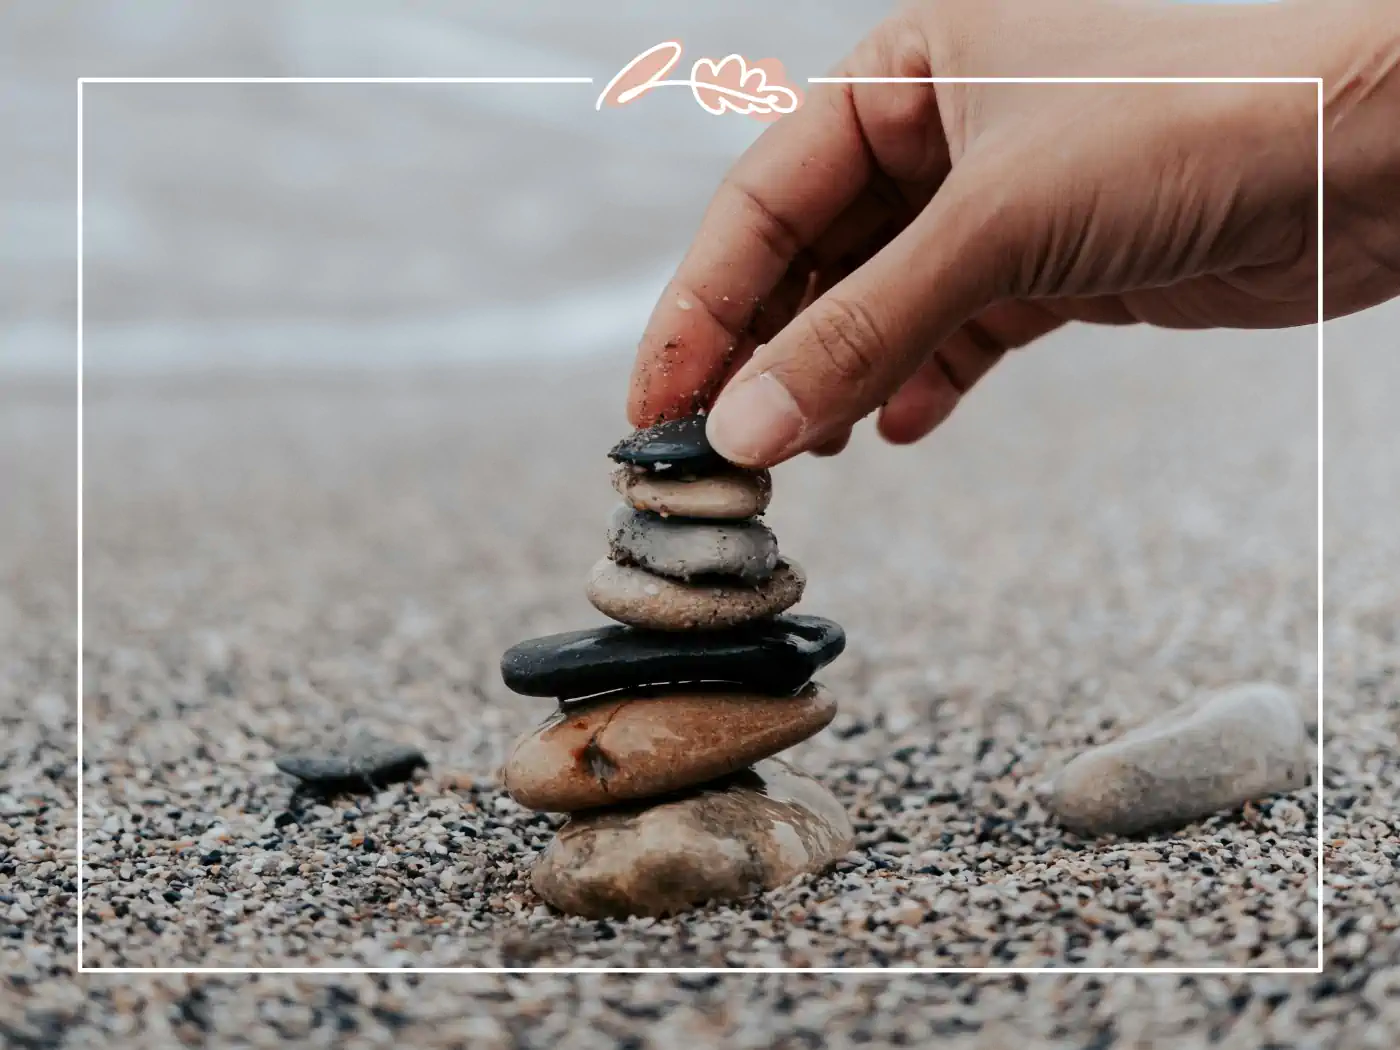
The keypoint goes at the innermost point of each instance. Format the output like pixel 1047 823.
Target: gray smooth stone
pixel 726 841
pixel 366 764
pixel 683 550
pixel 1207 756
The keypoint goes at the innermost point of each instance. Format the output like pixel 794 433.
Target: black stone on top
pixel 776 656
pixel 677 445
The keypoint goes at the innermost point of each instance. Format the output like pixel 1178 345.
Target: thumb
pixel 849 351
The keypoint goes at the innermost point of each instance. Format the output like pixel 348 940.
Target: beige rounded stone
pixel 641 599
pixel 632 747
pixel 729 496
pixel 1212 754
pixel 727 841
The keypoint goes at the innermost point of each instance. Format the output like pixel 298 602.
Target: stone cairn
pixel 661 748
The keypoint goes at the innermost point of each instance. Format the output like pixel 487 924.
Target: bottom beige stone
pixel 725 841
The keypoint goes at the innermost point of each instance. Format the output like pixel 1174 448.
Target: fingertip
pixel 833 447
pixel 640 400
pixel 755 423
pixel 914 413
pixel 652 397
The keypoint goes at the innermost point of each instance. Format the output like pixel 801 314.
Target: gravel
pixel 737 1011
pixel 1105 530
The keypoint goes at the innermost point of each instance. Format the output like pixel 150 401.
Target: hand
pixel 884 246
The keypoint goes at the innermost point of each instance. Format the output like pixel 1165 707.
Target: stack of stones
pixel 661 748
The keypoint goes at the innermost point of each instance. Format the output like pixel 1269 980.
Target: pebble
pixel 1213 754
pixel 677 445
pixel 684 550
pixel 724 842
pixel 640 599
pixel 351 626
pixel 775 656
pixel 729 496
pixel 634 747
pixel 366 765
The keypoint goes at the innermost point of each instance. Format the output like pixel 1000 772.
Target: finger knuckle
pixel 900 48
pixel 897 47
pixel 940 31
pixel 847 341
pixel 778 235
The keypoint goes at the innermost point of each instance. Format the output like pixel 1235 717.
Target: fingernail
pixel 754 422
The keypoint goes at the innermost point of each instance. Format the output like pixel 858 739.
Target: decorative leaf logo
pixel 641 74
pixel 760 91
pixel 757 91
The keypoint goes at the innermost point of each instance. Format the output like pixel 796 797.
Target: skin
pixel 884 246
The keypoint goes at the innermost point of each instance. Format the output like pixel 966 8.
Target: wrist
pixel 1361 157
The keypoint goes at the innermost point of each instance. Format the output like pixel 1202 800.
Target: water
pixel 357 225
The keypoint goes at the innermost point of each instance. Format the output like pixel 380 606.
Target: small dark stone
pixel 676 446
pixel 365 766
pixel 776 656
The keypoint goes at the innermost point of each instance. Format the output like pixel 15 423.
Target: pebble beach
pixel 1102 532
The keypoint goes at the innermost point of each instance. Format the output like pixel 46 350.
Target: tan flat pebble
pixel 729 496
pixel 724 842
pixel 1213 754
pixel 630 747
pixel 641 599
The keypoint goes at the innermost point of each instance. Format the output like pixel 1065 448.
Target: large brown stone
pixel 640 599
pixel 723 842
pixel 633 747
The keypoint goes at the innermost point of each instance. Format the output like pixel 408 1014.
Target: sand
pixel 1107 528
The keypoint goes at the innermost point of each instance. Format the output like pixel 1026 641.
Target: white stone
pixel 1210 755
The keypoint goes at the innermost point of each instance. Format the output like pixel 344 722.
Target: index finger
pixel 785 190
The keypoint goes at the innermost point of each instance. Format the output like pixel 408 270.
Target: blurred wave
pixel 366 226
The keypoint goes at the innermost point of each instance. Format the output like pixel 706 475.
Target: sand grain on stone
pixel 683 550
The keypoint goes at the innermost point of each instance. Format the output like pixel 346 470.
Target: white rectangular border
pixel 332 970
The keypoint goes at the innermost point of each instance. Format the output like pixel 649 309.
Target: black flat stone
pixel 677 445
pixel 777 656
pixel 365 766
